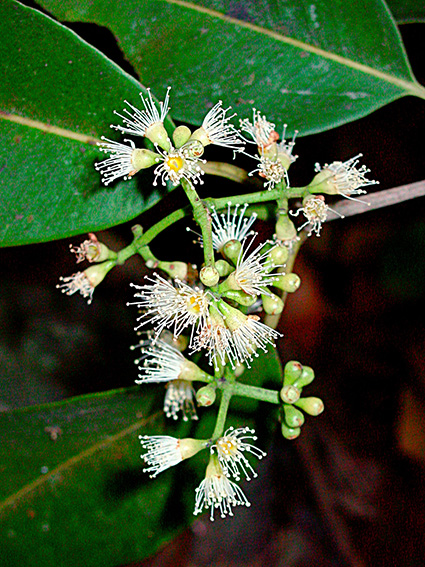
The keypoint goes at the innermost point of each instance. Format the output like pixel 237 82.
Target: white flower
pixel 161 362
pixel 164 451
pixel 252 271
pixel 284 149
pixel 176 165
pixel 78 282
pixel 138 121
pixel 219 130
pixel 120 163
pixel 230 449
pixel 343 178
pixel 261 130
pixel 215 338
pixel 230 226
pixel 272 170
pixel 179 397
pixel 171 307
pixel 315 211
pixel 216 491
pixel 248 334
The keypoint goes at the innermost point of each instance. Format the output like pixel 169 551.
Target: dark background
pixel 350 490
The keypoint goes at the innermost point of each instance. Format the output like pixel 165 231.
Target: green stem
pixel 275 194
pixel 226 396
pixel 202 217
pixel 256 393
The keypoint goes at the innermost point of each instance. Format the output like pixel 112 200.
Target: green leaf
pixel 57 97
pixel 407 11
pixel 313 65
pixel 83 496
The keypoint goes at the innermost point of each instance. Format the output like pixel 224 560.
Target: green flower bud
pixel 224 268
pixel 240 297
pixel 278 255
pixel 290 394
pixel 272 304
pixel 176 270
pixel 209 276
pixel 307 377
pixel 290 432
pixel 312 406
pixel 285 228
pixel 206 395
pixel 292 372
pixel 181 135
pixel 293 416
pixel 287 282
pixel 231 250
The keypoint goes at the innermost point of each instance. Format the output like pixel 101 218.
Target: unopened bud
pixel 232 250
pixel 240 297
pixel 307 377
pixel 312 406
pixel 209 276
pixel 290 432
pixel 272 304
pixel 290 394
pixel 206 395
pixel 181 135
pixel 224 268
pixel 292 372
pixel 176 270
pixel 293 416
pixel 287 282
pixel 285 228
pixel 277 256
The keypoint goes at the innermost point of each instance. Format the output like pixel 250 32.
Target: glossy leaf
pixel 313 65
pixel 57 97
pixel 72 487
pixel 407 11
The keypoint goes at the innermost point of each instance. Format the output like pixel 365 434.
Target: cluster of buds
pixel 295 378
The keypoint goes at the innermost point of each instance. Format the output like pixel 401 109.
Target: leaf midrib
pixel 105 443
pixel 50 128
pixel 410 87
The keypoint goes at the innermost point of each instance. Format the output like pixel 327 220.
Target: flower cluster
pixel 217 491
pixel 174 159
pixel 225 332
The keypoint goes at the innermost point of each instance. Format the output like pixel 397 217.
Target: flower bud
pixel 181 135
pixel 290 394
pixel 292 372
pixel 231 250
pixel 240 297
pixel 285 228
pixel 290 432
pixel 224 268
pixel 206 395
pixel 287 282
pixel 277 256
pixel 176 270
pixel 312 406
pixel 209 276
pixel 272 304
pixel 293 416
pixel 307 377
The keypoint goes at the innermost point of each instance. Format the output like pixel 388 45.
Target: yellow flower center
pixel 175 163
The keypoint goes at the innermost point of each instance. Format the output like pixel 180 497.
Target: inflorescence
pixel 214 311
